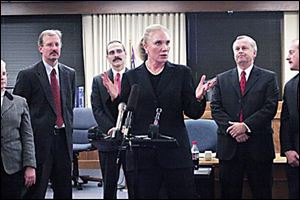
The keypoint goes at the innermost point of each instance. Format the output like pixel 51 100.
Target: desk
pixel 279 189
pixel 215 161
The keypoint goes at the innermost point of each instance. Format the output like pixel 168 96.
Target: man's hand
pixel 236 129
pixel 112 89
pixel 292 158
pixel 29 176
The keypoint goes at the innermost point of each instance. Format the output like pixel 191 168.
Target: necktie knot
pixel 53 72
pixel 118 77
pixel 243 73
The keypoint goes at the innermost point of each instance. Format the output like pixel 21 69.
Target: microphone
pixel 153 131
pixel 121 108
pixel 131 105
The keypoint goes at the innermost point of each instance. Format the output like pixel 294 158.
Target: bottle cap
pixel 194 142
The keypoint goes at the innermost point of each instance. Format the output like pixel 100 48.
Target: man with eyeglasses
pixel 108 152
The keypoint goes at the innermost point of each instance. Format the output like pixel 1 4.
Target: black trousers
pixel 12 185
pixel 259 175
pixel 110 170
pixel 293 181
pixel 57 168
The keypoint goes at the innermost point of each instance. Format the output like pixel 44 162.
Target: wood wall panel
pixel 91 159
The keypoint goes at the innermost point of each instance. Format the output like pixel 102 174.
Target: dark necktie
pixel 56 96
pixel 243 87
pixel 118 82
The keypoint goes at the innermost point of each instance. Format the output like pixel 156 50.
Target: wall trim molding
pixel 110 7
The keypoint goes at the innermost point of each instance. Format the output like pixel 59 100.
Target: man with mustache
pixel 116 56
pixel 244 102
pixel 49 88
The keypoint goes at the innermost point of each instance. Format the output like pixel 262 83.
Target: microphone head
pixel 133 97
pixel 122 106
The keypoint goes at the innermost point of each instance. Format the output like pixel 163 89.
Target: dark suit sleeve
pixel 285 137
pixel 103 121
pixel 218 112
pixel 22 86
pixel 74 88
pixel 266 113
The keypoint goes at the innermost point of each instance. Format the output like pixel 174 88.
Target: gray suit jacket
pixel 17 146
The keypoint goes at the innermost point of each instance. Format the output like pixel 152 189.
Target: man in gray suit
pixel 244 102
pixel 17 147
pixel 289 123
pixel 49 88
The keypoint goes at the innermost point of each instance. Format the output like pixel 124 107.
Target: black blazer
pixel 289 120
pixel 176 97
pixel 259 105
pixel 102 114
pixel 33 84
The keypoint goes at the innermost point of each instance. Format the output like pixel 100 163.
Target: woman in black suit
pixel 170 87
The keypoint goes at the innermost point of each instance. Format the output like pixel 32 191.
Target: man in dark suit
pixel 49 88
pixel 108 151
pixel 289 123
pixel 244 102
pixel 170 87
pixel 18 161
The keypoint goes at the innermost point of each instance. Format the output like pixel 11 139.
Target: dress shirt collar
pixel 49 68
pixel 248 70
pixel 120 72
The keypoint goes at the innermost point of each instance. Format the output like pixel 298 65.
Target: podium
pixel 140 141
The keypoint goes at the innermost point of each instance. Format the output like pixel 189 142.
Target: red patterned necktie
pixel 56 96
pixel 118 82
pixel 243 87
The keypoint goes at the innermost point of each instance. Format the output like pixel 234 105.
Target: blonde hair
pixel 152 28
pixel 3 64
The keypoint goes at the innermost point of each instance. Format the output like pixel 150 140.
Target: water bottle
pixel 195 154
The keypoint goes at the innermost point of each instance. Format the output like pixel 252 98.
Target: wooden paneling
pixel 96 7
pixel 91 159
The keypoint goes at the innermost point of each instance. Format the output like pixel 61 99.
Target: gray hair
pixel 250 40
pixel 49 33
pixel 151 29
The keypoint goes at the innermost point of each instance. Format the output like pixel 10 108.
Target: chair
pixel 83 120
pixel 204 131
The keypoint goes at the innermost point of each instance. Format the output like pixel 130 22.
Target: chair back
pixel 83 119
pixel 204 131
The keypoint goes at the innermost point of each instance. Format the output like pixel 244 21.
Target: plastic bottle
pixel 195 154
